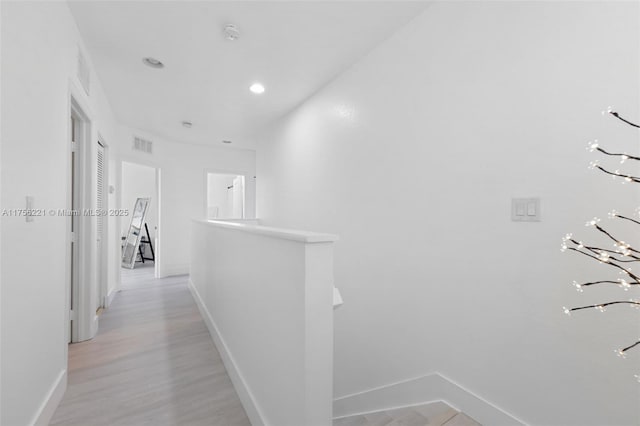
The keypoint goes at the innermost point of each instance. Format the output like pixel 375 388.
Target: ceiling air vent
pixel 84 74
pixel 143 145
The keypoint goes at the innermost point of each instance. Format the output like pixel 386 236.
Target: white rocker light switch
pixel 525 209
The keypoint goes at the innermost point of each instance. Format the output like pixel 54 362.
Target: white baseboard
pixel 110 296
pixel 171 270
pixel 420 390
pixel 51 402
pixel 254 413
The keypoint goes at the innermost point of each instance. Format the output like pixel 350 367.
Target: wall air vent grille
pixel 143 145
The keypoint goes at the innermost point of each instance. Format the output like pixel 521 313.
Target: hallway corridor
pixel 152 363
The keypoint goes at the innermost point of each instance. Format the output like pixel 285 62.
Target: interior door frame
pixel 156 203
pixel 82 314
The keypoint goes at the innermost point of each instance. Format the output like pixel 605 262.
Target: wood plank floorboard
pixel 152 363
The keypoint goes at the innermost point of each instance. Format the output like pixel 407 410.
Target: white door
pixel 101 208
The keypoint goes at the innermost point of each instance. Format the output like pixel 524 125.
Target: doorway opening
pixel 142 182
pixel 225 196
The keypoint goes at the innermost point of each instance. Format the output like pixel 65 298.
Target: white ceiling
pixel 292 47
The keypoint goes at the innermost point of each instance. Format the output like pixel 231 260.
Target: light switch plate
pixel 525 209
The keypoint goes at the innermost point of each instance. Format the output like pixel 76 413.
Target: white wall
pixel 471 104
pixel 183 182
pixel 1 331
pixel 1 204
pixel 139 182
pixel 39 56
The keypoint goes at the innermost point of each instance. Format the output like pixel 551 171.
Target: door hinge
pixel 72 315
pixel 74 237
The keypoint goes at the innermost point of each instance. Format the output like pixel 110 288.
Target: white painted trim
pixel 85 326
pixel 475 406
pixel 256 417
pixel 51 402
pixel 421 390
pixel 80 96
pixel 254 222
pixel 1 316
pixel 158 239
pixel 173 270
pixel 285 234
pixel 110 297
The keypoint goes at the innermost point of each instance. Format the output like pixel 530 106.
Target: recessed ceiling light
pixel 257 88
pixel 152 62
pixel 187 124
pixel 226 141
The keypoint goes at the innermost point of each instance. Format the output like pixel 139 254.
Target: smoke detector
pixel 152 62
pixel 231 32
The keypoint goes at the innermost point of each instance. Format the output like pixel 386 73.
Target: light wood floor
pixel 433 414
pixel 152 363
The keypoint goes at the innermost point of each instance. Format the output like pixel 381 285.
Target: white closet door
pixel 101 206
